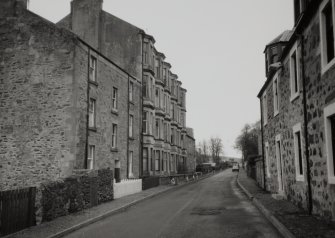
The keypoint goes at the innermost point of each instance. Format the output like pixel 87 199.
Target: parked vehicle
pixel 236 167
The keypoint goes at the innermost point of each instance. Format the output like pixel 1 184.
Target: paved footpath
pixel 284 214
pixel 66 224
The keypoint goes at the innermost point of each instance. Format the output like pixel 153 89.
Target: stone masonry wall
pixel 290 113
pixel 36 130
pixel 320 93
pixel 109 77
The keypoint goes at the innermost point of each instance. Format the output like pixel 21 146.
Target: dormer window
pixel 274 55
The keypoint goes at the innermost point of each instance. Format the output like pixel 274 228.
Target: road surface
pixel 213 207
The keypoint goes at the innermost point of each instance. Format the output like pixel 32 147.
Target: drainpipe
pixel 141 121
pixel 88 103
pixel 310 199
pixel 128 119
pixel 262 131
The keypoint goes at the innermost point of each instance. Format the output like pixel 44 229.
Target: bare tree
pixel 202 152
pixel 247 141
pixel 216 148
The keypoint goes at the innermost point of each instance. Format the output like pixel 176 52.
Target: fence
pixel 17 210
pixel 127 187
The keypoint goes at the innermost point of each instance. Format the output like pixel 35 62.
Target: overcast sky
pixel 215 47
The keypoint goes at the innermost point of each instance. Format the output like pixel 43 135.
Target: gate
pixel 17 210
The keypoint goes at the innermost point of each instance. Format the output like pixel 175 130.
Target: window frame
pixel 276 98
pixel 157 160
pixel 145 169
pixel 325 66
pixel 294 73
pixel 92 124
pixel 297 129
pixel 131 91
pixel 131 126
pixel 91 157
pixel 145 125
pixel 93 68
pixel 279 160
pixel 114 136
pixel 265 109
pixel 130 164
pixel 115 99
pixel 267 159
pixel 329 111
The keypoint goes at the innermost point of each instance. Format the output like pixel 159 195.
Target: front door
pixel 279 166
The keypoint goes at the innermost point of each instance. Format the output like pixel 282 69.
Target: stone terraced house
pixel 298 110
pixel 87 93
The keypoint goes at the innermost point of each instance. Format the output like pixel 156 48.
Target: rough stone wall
pixel 110 76
pixel 290 113
pixel 36 71
pixel 320 93
pixel 135 109
pixel 43 92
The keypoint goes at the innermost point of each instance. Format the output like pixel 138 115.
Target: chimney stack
pixel 10 8
pixel 85 15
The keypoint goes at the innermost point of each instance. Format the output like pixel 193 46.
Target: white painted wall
pixel 127 187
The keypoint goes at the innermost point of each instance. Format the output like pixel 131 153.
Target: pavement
pixel 64 225
pixel 289 220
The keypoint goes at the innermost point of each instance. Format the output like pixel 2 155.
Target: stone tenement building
pixel 164 108
pixel 64 105
pixel 298 109
pixel 71 97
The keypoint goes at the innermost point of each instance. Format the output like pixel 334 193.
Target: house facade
pixel 88 93
pixel 65 106
pixel 163 98
pixel 297 107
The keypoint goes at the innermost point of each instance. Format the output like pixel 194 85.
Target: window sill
pixel 300 178
pixel 326 67
pixel 93 82
pixel 131 138
pixel 265 123
pixel 331 180
pixel 115 112
pixel 114 150
pixel 92 129
pixel 131 102
pixel 294 96
pixel 276 113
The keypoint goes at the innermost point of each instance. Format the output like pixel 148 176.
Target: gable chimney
pixel 85 15
pixel 12 7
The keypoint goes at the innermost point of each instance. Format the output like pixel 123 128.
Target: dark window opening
pixel 328 14
pixel 299 152
pixel 332 122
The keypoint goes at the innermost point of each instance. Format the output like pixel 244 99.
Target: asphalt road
pixel 213 207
